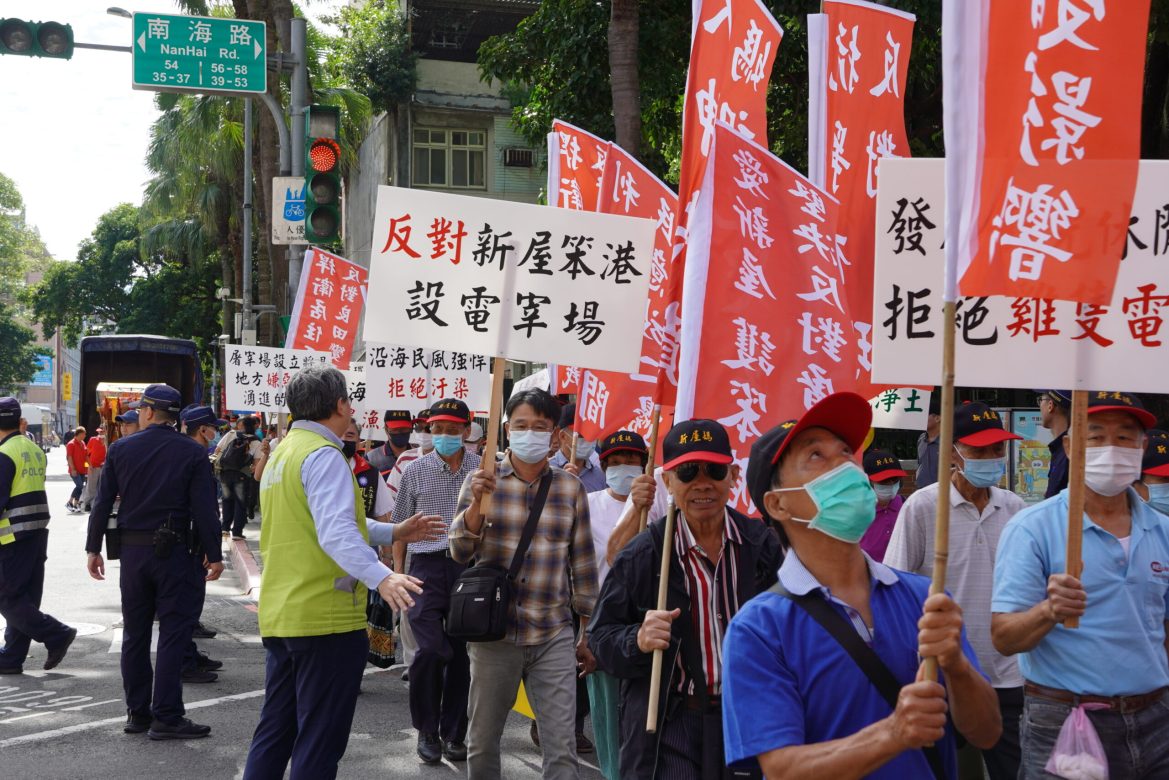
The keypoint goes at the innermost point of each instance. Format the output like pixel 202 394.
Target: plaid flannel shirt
pixel 559 574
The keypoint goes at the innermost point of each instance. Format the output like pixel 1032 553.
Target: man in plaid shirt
pixel 558 577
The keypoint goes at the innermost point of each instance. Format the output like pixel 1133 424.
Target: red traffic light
pixel 324 155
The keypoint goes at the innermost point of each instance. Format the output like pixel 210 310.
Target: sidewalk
pixel 244 555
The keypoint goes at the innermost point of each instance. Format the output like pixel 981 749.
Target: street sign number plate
pixel 199 54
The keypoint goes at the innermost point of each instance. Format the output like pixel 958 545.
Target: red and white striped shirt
pixel 714 599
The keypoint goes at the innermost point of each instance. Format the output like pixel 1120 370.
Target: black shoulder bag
pixel 481 598
pixel 864 656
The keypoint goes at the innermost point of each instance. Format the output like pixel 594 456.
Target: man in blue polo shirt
pixel 1117 655
pixel 792 694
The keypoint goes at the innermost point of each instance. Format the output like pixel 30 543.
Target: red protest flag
pixel 1045 182
pixel 329 306
pixel 576 163
pixel 610 400
pixel 732 50
pixel 858 55
pixel 764 336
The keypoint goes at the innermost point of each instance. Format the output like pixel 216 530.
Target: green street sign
pixel 173 52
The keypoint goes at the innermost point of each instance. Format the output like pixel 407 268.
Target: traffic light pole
pixel 249 327
pixel 299 100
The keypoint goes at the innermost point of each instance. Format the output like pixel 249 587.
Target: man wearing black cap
pixel 927 443
pixel 582 462
pixel 167 512
pixel 793 693
pixel 1154 484
pixel 24 541
pixel 440 672
pixel 720 559
pixel 398 424
pixel 1116 657
pixel 979 510
pixel 1053 415
pixel 127 422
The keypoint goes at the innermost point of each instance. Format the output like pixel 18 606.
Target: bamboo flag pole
pixel 492 432
pixel 655 678
pixel 572 449
pixel 1077 435
pixel 945 448
pixel 649 462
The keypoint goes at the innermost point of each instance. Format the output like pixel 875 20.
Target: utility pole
pixel 249 329
pixel 298 101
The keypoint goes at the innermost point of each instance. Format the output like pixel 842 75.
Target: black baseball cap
pixel 195 416
pixel 696 440
pixel 9 410
pixel 881 465
pixel 1156 460
pixel 399 418
pixel 1061 397
pixel 423 417
pixel 567 417
pixel 621 441
pixel 130 417
pixel 450 410
pixel 1116 401
pixel 977 425
pixel 163 398
pixel 848 415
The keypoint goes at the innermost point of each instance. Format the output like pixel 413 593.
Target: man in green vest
pixel 24 539
pixel 318 563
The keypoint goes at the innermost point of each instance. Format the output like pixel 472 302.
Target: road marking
pixel 26 717
pixel 91 704
pixel 40 736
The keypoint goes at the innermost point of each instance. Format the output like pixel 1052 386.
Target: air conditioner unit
pixel 516 157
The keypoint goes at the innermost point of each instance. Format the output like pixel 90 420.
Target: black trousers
pixel 440 674
pixel 22 583
pixel 1002 760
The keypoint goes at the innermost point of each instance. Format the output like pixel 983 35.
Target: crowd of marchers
pixel 801 642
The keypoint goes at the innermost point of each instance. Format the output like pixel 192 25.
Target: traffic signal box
pixel 36 39
pixel 322 176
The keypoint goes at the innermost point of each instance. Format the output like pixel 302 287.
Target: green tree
pixel 20 247
pixel 373 54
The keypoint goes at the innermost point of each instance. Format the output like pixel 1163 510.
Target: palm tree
pixel 624 26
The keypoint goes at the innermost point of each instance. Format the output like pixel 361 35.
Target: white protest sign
pixel 525 282
pixel 904 408
pixel 255 377
pixel 370 419
pixel 400 377
pixel 1016 342
pixel 288 210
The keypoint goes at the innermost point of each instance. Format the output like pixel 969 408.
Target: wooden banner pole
pixel 655 679
pixel 572 450
pixel 945 450
pixel 492 432
pixel 1077 435
pixel 649 463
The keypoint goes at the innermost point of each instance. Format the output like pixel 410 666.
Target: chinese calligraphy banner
pixel 858 63
pixel 519 281
pixel 576 163
pixel 565 380
pixel 1050 96
pixel 765 332
pixel 369 420
pixel 413 377
pixel 255 377
pixel 904 408
pixel 1017 341
pixel 328 305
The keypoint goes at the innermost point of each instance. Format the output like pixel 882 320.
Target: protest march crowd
pixel 690 537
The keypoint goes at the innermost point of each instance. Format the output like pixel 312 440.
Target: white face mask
pixel 1110 470
pixel 584 449
pixel 421 440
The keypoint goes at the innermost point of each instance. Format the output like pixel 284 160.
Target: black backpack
pixel 237 456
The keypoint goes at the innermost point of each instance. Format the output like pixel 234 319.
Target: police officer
pixel 24 538
pixel 167 508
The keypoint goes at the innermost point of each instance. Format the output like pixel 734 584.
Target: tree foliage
pixel 21 250
pixel 373 54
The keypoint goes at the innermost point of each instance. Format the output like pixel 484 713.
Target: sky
pixel 73 133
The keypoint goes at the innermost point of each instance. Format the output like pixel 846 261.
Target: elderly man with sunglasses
pixel 720 559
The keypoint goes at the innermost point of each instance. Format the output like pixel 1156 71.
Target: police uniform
pixel 167 507
pixel 24 539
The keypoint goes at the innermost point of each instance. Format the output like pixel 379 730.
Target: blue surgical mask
pixel 1159 497
pixel 447 445
pixel 845 502
pixel 885 493
pixel 530 446
pixel 983 473
pixel 620 478
pixel 584 449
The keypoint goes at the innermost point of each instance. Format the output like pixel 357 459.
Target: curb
pixel 245 566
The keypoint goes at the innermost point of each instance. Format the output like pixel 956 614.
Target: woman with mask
pixel 623 456
pixel 979 510
pixel 885 473
pixel 1154 484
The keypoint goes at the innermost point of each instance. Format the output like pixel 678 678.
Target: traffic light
pixel 36 39
pixel 322 176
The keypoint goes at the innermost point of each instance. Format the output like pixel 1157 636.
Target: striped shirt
pixel 559 574
pixel 404 460
pixel 714 598
pixel 430 486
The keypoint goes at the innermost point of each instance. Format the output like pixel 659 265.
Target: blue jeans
pixel 1136 743
pixel 78 486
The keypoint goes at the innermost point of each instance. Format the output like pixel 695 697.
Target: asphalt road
pixel 68 723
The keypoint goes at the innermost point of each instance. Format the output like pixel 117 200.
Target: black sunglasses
pixel 688 472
